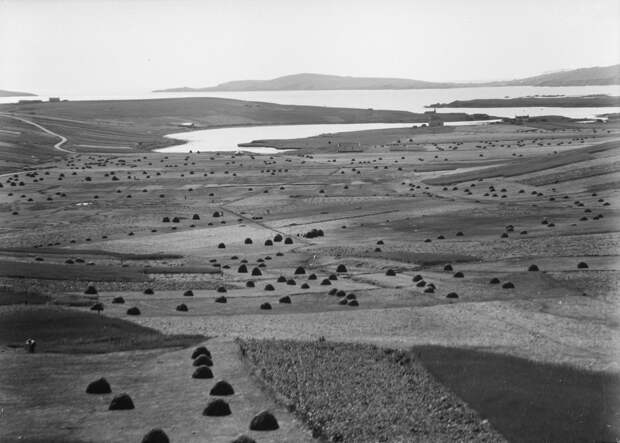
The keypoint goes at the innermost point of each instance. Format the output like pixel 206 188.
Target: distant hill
pixel 609 75
pixel 606 75
pixel 309 82
pixel 4 93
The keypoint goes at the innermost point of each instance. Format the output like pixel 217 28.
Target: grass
pixel 530 401
pixel 88 252
pixel 141 124
pixel 61 330
pixel 53 271
pixel 360 393
pixel 525 165
pixel 11 297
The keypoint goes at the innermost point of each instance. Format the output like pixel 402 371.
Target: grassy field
pixel 141 124
pixel 472 237
pixel 61 330
pixel 528 401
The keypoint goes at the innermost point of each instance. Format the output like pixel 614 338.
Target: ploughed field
pixel 496 239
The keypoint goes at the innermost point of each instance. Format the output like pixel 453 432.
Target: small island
pixel 583 101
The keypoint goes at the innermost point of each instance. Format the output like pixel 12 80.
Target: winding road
pixel 57 146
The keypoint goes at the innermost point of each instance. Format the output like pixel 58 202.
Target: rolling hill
pixel 4 93
pixel 608 75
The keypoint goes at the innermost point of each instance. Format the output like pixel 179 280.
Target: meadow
pixel 472 266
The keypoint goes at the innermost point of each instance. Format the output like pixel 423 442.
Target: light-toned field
pixel 489 201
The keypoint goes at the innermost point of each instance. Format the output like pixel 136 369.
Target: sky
pixel 123 46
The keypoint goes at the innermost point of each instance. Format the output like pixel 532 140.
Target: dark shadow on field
pixel 71 331
pixel 530 401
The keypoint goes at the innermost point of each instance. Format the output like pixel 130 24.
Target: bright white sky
pixel 110 46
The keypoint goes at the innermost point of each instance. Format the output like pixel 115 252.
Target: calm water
pixel 227 139
pixel 413 100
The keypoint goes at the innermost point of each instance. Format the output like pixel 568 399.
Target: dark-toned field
pixel 482 238
pixel 529 401
pixel 66 331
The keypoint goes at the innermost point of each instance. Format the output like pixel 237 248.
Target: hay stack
pixel 201 350
pixel 459 274
pixel 291 282
pixel 353 303
pixel 447 267
pixel 118 300
pixel 341 268
pixel 222 289
pixel 326 282
pixel 268 243
pixel 97 307
pixel 202 372
pixel 265 306
pixel 452 295
pixel 582 265
pixel 305 286
pixel 533 268
pixel 121 402
pixel 248 241
pixel 222 388
pixel 288 241
pixel 195 217
pixel 417 278
pixel 188 293
pixel 221 246
pixel 99 386
pixel 277 238
pixel 155 436
pixel 217 408
pixel 90 290
pixel 203 360
pixel 494 281
pixel 286 299
pixel 182 307
pixel 300 270
pixel 149 291
pixel 342 301
pixel 264 421
pixel 221 299
pixel 133 311
pixel 508 285
pixel 243 269
pixel 269 287
pixel 281 279
pixel 256 272
pixel 312 277
pixel 249 284
pixel 243 439
pixel 390 273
